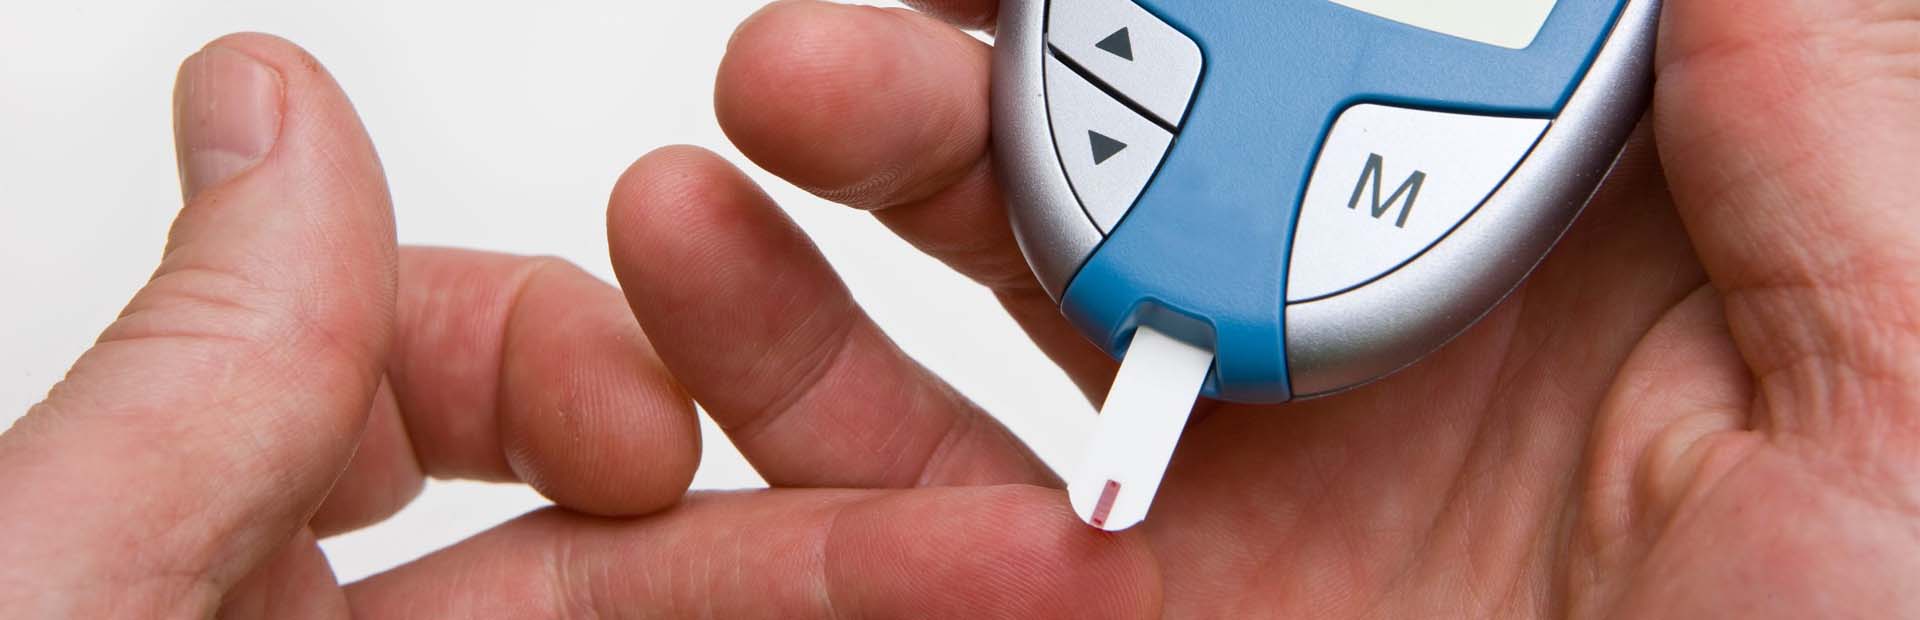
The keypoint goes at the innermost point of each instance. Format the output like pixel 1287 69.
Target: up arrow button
pixel 1134 55
pixel 1120 43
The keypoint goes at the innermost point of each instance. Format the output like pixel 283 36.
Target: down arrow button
pixel 1104 148
pixel 1108 151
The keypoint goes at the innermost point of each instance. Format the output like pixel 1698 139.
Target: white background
pixel 502 127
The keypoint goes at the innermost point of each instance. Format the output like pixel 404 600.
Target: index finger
pixel 890 114
pixel 979 552
pixel 963 13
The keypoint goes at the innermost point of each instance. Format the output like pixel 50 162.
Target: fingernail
pixel 226 116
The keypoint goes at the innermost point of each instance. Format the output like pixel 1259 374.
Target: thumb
pixel 211 418
pixel 1790 129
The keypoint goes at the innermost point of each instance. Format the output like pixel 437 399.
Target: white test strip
pixel 1139 426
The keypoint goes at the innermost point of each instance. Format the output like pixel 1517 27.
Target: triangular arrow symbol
pixel 1119 44
pixel 1104 148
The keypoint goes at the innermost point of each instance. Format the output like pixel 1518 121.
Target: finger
pixel 747 314
pixel 1664 424
pixel 977 14
pixel 295 583
pixel 1001 552
pixel 824 64
pixel 1790 129
pixel 206 425
pixel 519 368
pixel 887 111
pixel 382 477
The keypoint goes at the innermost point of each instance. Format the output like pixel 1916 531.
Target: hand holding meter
pixel 1262 200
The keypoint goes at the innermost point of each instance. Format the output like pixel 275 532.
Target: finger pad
pixel 590 418
pixel 857 104
pixel 997 552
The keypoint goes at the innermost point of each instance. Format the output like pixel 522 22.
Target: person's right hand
pixel 1706 402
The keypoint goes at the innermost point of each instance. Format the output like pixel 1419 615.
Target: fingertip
pixel 1077 569
pixel 1009 551
pixel 381 479
pixel 590 417
pixel 681 212
pixel 972 14
pixel 267 48
pixel 664 181
pixel 318 113
pixel 308 198
pixel 864 106
pixel 786 71
pixel 532 369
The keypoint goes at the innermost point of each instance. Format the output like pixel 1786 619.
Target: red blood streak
pixel 1105 506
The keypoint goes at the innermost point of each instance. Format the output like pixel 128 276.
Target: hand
pixel 289 374
pixel 1706 403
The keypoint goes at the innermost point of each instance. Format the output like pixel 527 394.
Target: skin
pixel 1703 404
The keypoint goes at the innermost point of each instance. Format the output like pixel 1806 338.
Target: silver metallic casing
pixel 1055 233
pixel 1364 334
pixel 1350 339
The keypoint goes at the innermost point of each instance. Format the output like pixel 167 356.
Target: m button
pixel 1390 183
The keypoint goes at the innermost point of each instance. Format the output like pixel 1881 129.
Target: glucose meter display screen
pixel 1507 23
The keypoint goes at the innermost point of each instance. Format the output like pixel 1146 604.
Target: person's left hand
pixel 288 374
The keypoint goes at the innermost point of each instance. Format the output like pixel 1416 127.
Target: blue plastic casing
pixel 1210 237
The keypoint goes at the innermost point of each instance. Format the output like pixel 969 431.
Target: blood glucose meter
pixel 1265 200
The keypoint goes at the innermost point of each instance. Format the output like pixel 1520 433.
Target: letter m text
pixel 1372 177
